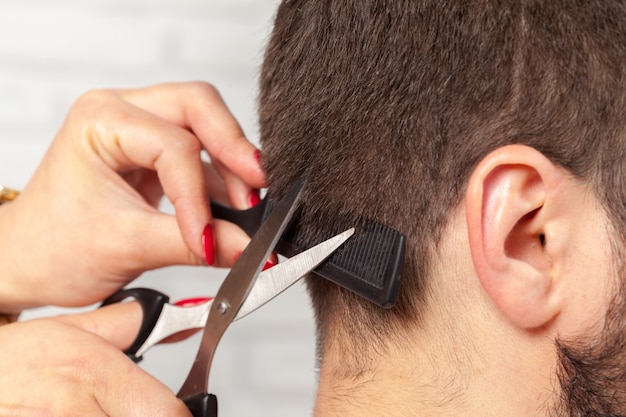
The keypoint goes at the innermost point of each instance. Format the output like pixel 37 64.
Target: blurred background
pixel 51 51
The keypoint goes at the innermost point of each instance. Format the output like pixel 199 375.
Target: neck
pixel 390 392
pixel 483 375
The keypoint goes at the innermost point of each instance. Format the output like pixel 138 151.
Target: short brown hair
pixel 390 104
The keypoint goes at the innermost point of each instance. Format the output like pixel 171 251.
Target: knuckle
pixel 191 145
pixel 203 88
pixel 86 112
pixel 202 93
pixel 91 99
pixel 185 146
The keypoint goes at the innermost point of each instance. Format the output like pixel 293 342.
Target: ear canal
pixel 526 243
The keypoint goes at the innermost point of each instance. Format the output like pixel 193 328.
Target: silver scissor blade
pixel 269 284
pixel 236 287
pixel 277 279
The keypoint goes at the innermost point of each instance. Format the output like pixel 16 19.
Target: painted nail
pixel 268 264
pixel 255 198
pixel 191 302
pixel 208 243
pixel 257 156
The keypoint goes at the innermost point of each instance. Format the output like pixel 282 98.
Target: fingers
pixel 118 323
pixel 240 195
pixel 199 107
pixel 119 386
pixel 163 128
pixel 127 138
pixel 231 241
pixel 166 248
pixel 215 185
pixel 126 390
pixel 59 367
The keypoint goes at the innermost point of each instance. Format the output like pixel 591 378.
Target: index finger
pixel 126 137
pixel 199 107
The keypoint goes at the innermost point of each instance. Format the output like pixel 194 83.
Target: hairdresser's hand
pixel 87 223
pixel 73 366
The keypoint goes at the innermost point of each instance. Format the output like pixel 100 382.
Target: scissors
pixel 245 288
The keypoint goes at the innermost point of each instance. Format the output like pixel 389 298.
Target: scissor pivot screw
pixel 222 307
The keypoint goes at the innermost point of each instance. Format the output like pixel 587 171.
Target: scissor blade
pixel 241 278
pixel 277 279
pixel 235 289
pixel 270 284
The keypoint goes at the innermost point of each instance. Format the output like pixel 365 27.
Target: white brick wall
pixel 53 50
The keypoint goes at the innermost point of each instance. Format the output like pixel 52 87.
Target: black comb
pixel 368 264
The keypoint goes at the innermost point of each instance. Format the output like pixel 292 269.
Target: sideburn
pixel 592 371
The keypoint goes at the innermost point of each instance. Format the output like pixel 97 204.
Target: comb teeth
pixel 368 264
pixel 366 257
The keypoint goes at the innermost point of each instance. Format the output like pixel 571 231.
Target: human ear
pixel 511 205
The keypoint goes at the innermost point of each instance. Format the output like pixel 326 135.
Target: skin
pixel 71 366
pixel 529 251
pixel 100 183
pixel 93 199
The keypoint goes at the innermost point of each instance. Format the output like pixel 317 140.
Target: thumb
pixel 122 388
pixel 117 323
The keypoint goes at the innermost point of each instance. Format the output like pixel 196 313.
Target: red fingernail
pixel 208 243
pixel 268 264
pixel 255 198
pixel 257 156
pixel 191 302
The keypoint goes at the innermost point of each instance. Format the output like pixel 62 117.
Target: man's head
pixel 461 124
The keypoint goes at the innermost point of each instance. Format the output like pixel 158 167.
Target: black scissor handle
pixel 248 220
pixel 152 303
pixel 202 405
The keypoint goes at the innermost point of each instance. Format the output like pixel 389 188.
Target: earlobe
pixel 509 210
